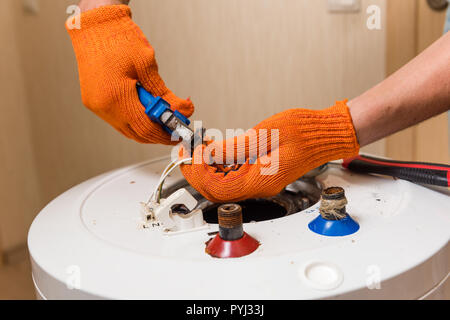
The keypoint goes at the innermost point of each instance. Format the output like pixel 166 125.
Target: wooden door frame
pixel 411 27
pixel 2 256
pixel 401 47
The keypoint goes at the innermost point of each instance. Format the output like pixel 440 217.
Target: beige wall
pixel 72 144
pixel 19 194
pixel 241 61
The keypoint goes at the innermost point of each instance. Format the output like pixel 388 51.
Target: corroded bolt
pixel 231 226
pixel 332 206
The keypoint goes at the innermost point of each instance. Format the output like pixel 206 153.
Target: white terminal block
pixel 176 223
pixel 344 5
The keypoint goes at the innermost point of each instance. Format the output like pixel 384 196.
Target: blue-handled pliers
pixel 158 110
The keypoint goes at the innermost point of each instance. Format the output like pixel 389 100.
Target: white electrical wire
pixel 156 195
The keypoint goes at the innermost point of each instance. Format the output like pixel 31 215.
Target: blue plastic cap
pixel 334 228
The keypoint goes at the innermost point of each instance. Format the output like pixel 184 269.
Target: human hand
pixel 275 153
pixel 113 55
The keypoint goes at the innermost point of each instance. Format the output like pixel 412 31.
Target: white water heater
pixel 94 242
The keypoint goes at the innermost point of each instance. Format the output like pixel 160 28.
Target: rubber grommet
pixel 334 228
pixel 219 248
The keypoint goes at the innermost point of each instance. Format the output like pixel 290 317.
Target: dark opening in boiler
pixel 297 197
pixel 252 211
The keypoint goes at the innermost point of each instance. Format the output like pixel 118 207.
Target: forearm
pixel 86 5
pixel 418 91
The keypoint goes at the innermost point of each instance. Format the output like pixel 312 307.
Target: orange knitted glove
pixel 113 55
pixel 307 139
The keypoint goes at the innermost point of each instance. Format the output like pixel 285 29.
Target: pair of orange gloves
pixel 113 55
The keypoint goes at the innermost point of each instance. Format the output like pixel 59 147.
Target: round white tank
pixel 90 243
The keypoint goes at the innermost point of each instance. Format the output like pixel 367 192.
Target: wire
pixel 156 195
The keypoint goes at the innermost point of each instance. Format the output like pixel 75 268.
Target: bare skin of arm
pixel 418 91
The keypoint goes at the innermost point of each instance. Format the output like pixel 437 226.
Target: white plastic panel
pixel 97 227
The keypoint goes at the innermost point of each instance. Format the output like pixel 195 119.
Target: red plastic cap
pixel 220 248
